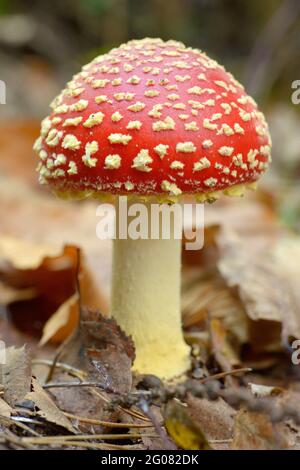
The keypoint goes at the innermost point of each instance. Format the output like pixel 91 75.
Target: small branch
pixel 107 423
pixel 242 370
pixel 80 384
pixel 80 374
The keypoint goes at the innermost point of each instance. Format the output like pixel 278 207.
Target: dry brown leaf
pixel 52 280
pixel 265 277
pixel 47 407
pixel 5 409
pixel 15 374
pixel 254 431
pixel 59 319
pixel 186 433
pixel 105 353
pixel 215 418
pixel 204 294
pixel 251 269
pixel 109 352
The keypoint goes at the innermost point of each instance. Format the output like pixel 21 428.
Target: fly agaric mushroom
pixel 154 120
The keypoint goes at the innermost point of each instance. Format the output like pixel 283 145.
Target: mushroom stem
pixel 145 298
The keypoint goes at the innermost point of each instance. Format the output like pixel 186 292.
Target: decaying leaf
pixel 15 374
pixel 206 293
pixel 47 278
pixel 105 353
pixel 59 320
pixel 47 407
pixel 215 418
pixel 265 282
pixel 252 270
pixel 254 431
pixel 185 432
pixel 107 350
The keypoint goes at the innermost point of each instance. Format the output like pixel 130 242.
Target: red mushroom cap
pixel 153 117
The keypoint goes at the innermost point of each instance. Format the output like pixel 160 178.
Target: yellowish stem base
pixel 146 303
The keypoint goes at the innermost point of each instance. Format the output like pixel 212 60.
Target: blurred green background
pixel 42 43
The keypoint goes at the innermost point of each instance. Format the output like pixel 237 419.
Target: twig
pixel 80 384
pixel 213 390
pixel 80 374
pixel 12 439
pixel 10 421
pixel 161 432
pixel 84 437
pixel 133 413
pixel 220 375
pixel 108 423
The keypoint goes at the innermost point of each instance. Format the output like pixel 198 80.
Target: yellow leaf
pixel 182 429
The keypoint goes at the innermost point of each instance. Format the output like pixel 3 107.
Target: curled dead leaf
pixel 60 319
pixel 47 407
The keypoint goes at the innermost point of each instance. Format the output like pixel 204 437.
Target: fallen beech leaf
pixel 59 319
pixel 254 431
pixel 5 409
pixel 216 418
pixel 205 294
pixel 109 351
pixel 53 279
pixel 186 433
pixel 47 407
pixel 15 374
pixel 252 270
pixel 105 353
pixel 266 285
